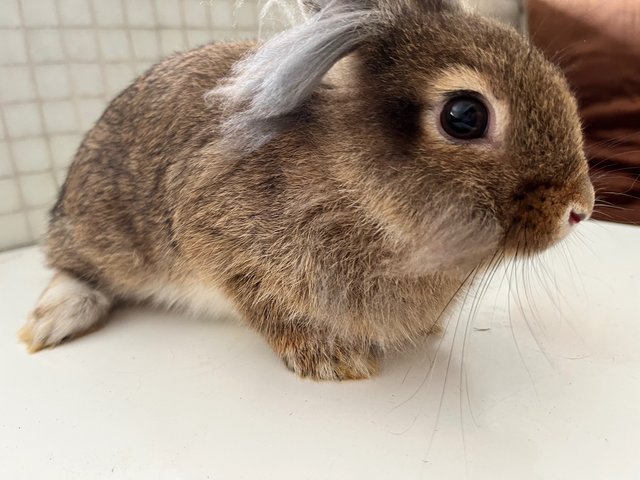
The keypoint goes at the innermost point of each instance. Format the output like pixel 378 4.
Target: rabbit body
pixel 349 231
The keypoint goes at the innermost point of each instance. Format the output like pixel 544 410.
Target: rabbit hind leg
pixel 69 307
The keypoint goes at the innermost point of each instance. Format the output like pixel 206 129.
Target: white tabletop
pixel 545 387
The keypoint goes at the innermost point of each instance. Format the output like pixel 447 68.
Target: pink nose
pixel 575 217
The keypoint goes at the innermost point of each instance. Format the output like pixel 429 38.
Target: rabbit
pixel 335 185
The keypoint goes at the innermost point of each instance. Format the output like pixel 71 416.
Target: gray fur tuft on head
pixel 266 88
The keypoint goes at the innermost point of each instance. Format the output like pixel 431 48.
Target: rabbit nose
pixel 576 217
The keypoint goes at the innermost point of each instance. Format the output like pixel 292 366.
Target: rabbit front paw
pixel 319 356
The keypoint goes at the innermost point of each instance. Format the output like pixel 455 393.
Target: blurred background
pixel 597 45
pixel 62 61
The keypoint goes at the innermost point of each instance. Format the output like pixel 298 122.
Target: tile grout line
pixel 39 102
pixel 57 99
pixel 209 18
pixel 156 20
pixel 22 207
pixel 72 83
pixel 127 30
pixel 101 60
pixel 183 26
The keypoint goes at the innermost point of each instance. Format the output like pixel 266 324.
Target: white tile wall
pixel 114 44
pixel 15 230
pixel 87 79
pixel 61 61
pixel 140 13
pixel 39 14
pixel 16 84
pixel 145 44
pixel 171 41
pixel 10 14
pixel 14 49
pixel 81 44
pixel 30 154
pixel 221 13
pixel 52 82
pixel 59 116
pixel 108 14
pixel 63 148
pixel 170 14
pixel 23 120
pixel 9 196
pixel 117 76
pixel 6 169
pixel 38 189
pixel 75 12
pixel 45 45
pixel 89 110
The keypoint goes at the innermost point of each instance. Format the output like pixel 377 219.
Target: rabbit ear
pixel 314 6
pixel 267 87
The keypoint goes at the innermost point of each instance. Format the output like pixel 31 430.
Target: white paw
pixel 67 308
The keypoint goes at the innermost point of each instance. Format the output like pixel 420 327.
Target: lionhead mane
pixel 264 91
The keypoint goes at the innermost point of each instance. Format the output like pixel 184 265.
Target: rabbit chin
pixel 450 255
pixel 459 256
pixel 524 242
pixel 445 259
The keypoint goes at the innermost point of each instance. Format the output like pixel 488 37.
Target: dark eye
pixel 464 117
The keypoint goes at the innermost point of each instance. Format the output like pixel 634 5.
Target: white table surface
pixel 547 387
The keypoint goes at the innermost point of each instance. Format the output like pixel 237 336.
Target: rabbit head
pixel 451 131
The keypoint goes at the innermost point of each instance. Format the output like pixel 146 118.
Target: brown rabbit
pixel 337 183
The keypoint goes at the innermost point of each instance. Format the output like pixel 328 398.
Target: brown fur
pixel 327 239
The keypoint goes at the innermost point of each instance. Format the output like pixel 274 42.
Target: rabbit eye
pixel 464 117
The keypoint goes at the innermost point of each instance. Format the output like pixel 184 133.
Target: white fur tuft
pixel 267 87
pixel 68 307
